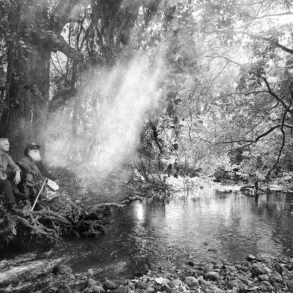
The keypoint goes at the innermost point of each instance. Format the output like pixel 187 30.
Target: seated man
pixel 33 171
pixel 6 162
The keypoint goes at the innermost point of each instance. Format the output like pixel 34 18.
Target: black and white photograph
pixel 146 146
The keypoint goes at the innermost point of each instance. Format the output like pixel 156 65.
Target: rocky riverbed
pixel 255 274
pixel 261 274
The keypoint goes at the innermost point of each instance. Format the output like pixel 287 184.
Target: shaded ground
pixel 255 274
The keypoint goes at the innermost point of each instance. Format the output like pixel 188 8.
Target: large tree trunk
pixel 28 93
pixel 33 34
pixel 27 78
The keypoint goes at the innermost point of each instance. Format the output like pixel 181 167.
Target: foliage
pixel 234 89
pixel 227 79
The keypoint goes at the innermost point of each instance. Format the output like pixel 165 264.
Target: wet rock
pixel 276 277
pixel 278 268
pixel 259 269
pixel 268 270
pixel 141 285
pixel 178 285
pixel 162 284
pixel 243 268
pixel 290 265
pixel 122 289
pixel 264 258
pixel 110 285
pixel 230 269
pixel 214 288
pixel 130 285
pixel 150 289
pixel 266 286
pixel 64 289
pixel 191 281
pixel 289 284
pixel 245 280
pixel 162 281
pixel 212 276
pixel 250 257
pixel 62 269
pixel 218 265
pixel 208 268
pixel 203 282
pixel 94 287
pixel 238 284
pixel 263 277
pixel 91 282
pixel 175 283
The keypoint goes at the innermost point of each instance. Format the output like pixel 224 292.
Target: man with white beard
pixel 34 172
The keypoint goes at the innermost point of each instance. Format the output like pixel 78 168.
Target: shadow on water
pixel 206 225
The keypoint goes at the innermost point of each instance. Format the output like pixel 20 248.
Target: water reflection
pixel 205 225
pixel 139 211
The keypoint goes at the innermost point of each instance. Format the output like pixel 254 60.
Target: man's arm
pixel 12 164
pixel 15 168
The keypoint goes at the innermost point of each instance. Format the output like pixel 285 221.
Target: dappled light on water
pixel 220 226
pixel 139 211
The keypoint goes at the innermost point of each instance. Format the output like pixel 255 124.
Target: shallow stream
pixel 206 225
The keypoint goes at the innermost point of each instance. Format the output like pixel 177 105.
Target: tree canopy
pixel 224 78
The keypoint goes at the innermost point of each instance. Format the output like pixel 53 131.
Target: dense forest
pixel 121 95
pixel 188 80
pixel 215 77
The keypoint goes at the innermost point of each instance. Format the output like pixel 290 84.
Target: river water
pixel 205 225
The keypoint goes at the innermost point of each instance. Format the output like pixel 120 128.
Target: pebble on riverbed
pixel 212 276
pixel 191 281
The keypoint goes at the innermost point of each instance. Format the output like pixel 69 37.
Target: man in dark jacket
pixel 7 164
pixel 33 171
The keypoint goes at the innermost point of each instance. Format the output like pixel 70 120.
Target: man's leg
pixel 6 190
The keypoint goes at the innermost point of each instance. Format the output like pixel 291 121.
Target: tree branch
pixel 283 141
pixel 55 42
pixel 273 94
pixel 225 58
pixel 278 45
pixel 271 15
pixel 251 141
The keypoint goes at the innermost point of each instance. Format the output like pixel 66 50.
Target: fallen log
pixel 108 205
pixel 6 264
pixel 28 271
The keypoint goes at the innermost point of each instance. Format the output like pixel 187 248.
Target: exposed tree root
pixel 47 224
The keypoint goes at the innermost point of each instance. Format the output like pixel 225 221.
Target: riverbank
pixel 252 184
pixel 255 274
pixel 82 209
pixel 205 230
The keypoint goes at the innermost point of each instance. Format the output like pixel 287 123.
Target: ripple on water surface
pixel 208 226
